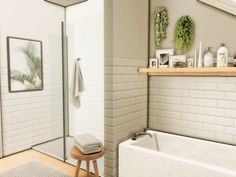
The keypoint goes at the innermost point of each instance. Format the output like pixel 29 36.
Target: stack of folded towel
pixel 88 144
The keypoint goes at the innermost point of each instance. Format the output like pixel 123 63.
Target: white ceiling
pixel 65 3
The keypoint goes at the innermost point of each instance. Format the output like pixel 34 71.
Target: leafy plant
pixel 161 23
pixel 184 33
pixel 32 77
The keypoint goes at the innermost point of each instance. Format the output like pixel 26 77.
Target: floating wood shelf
pixel 227 71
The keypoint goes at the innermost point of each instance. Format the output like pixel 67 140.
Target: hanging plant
pixel 184 34
pixel 161 23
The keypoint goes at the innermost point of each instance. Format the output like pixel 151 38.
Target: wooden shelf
pixel 227 71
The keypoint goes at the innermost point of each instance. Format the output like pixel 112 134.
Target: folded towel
pixel 87 143
pixel 88 150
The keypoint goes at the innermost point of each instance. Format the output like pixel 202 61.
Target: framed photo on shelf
pixel 190 63
pixel 25 64
pixel 153 63
pixel 163 57
pixel 178 61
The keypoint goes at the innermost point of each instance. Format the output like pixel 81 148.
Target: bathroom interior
pixel 159 90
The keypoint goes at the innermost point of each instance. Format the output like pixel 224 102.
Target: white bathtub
pixel 177 156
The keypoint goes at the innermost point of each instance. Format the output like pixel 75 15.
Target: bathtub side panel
pixel 139 162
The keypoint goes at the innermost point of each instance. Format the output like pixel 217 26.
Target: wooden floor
pixel 27 156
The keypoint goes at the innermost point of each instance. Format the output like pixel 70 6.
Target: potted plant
pixel 161 23
pixel 184 34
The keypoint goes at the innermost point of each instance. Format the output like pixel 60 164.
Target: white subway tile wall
pixel 203 107
pixel 125 105
pixel 125 89
pixel 30 118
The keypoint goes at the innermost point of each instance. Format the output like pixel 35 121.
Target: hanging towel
pixel 77 85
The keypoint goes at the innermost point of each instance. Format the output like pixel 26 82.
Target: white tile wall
pixel 125 105
pixel 203 107
pixel 30 118
pixel 87 44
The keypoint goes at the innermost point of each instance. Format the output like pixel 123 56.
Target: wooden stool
pixel 76 154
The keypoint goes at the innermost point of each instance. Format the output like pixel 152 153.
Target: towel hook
pixel 78 59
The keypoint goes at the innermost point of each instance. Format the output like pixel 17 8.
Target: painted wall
pixel 203 107
pixel 86 41
pixel 126 39
pixel 32 117
pixel 212 26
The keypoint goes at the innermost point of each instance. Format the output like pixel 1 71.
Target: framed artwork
pixel 25 64
pixel 190 63
pixel 153 63
pixel 178 61
pixel 163 57
pixel 228 6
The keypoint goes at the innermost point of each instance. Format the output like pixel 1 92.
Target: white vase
pixel 199 63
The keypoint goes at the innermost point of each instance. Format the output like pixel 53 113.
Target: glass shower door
pixel 85 31
pixel 55 145
pixel 1 131
pixel 1 136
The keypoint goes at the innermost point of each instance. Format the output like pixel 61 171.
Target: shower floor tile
pixel 55 148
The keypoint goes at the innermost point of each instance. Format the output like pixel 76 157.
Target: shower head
pixel 65 3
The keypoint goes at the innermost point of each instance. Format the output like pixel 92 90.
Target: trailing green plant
pixel 161 23
pixel 32 77
pixel 184 33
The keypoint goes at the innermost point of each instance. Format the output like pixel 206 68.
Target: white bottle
pixel 222 56
pixel 208 58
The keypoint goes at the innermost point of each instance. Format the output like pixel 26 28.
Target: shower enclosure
pixel 79 40
pixel 1 143
pixel 45 120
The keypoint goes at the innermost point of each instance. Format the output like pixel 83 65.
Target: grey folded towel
pixel 87 143
pixel 88 150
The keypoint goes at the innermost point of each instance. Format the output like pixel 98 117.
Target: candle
pixel 195 58
pixel 199 65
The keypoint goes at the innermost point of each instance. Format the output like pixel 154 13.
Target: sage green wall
pixel 126 49
pixel 201 107
pixel 126 29
pixel 212 26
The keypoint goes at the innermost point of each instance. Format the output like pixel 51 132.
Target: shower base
pixel 55 148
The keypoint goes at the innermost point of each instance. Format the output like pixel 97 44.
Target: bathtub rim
pixel 193 137
pixel 130 141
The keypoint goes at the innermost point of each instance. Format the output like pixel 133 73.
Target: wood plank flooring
pixel 27 156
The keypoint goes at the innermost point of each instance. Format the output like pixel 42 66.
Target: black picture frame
pixel 40 87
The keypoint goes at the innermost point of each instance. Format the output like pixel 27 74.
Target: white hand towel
pixel 77 85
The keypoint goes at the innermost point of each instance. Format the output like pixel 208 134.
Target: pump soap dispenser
pixel 222 56
pixel 208 58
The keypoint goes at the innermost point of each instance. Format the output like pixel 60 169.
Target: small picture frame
pixel 163 57
pixel 153 63
pixel 190 63
pixel 178 61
